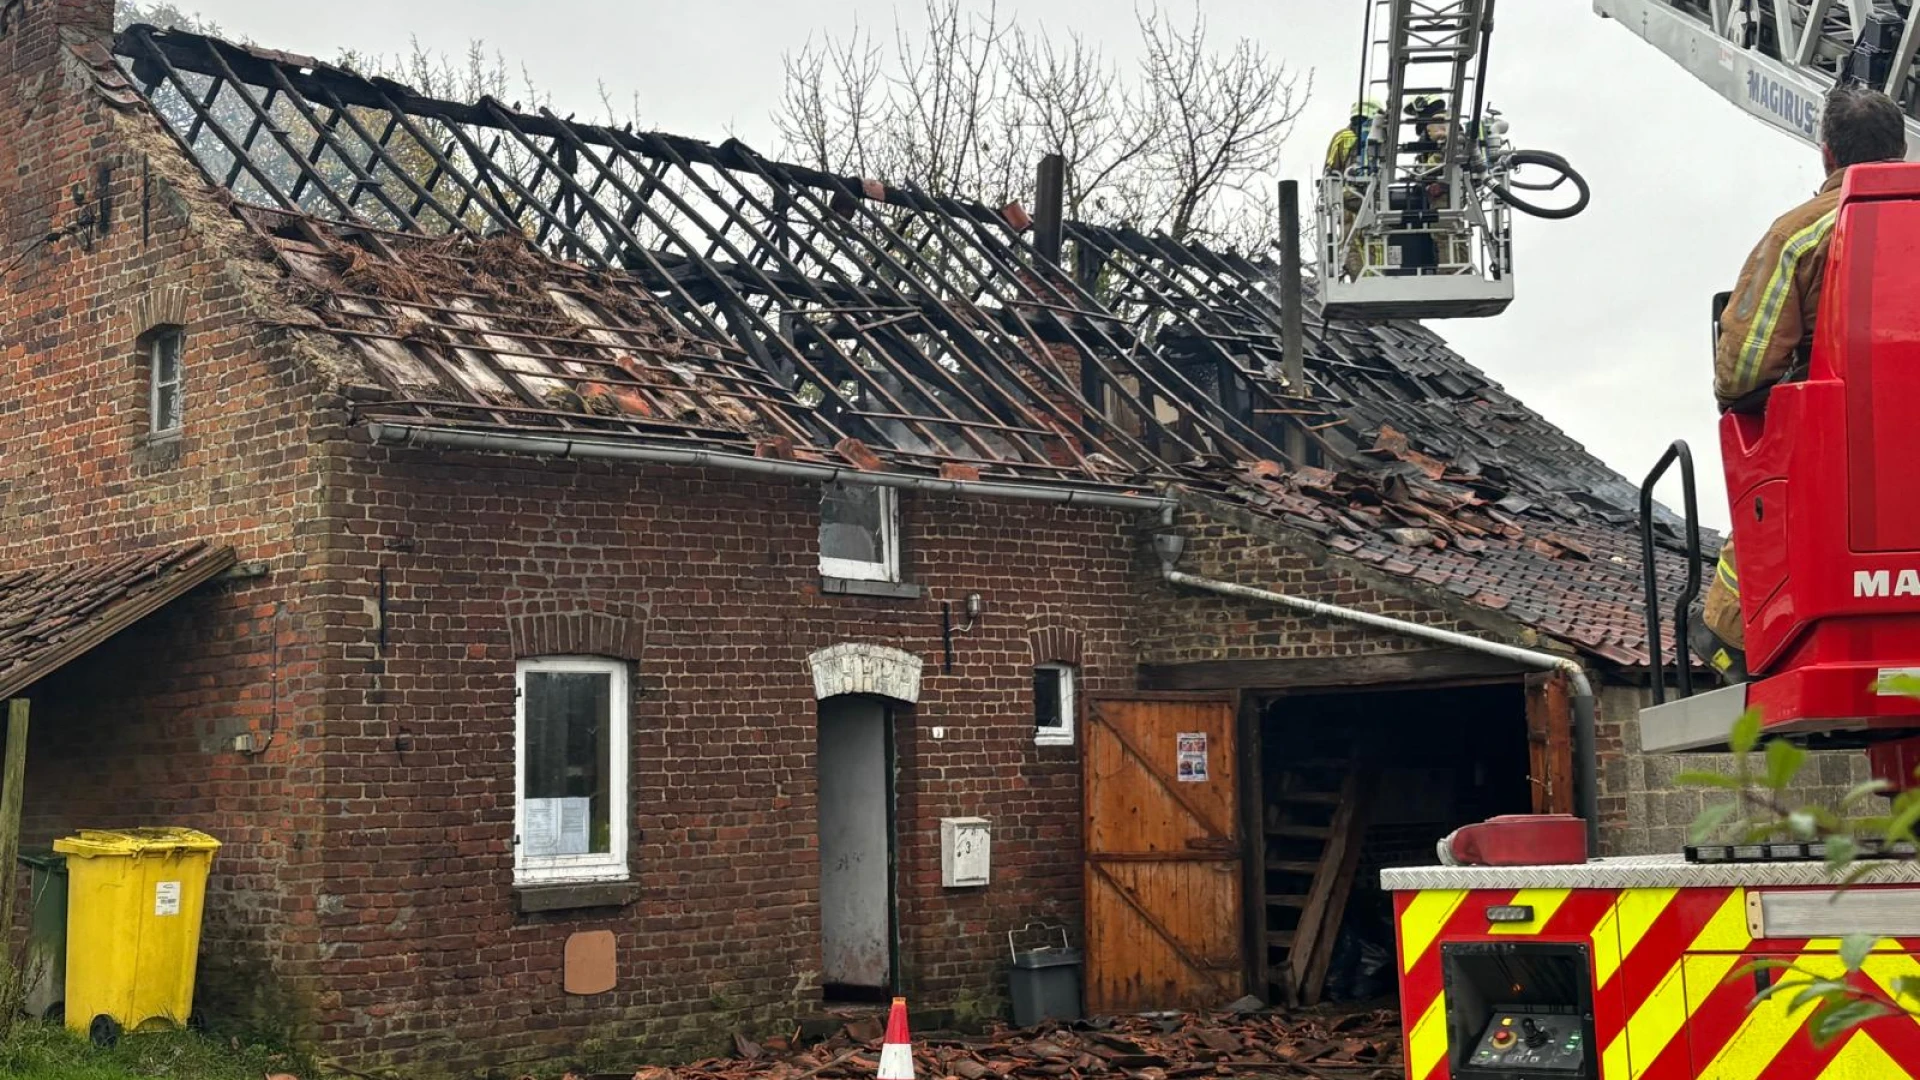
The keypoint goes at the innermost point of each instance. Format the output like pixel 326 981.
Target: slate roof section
pixel 493 269
pixel 51 615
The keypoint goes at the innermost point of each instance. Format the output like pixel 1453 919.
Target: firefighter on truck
pixel 1766 332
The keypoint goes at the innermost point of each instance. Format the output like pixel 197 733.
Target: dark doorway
pixel 855 760
pixel 1356 781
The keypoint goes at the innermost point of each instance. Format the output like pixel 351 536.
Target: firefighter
pixel 1342 149
pixel 1766 331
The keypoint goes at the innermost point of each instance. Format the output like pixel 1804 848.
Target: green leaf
pixel 1901 826
pixel 1746 732
pixel 1906 987
pixel 1804 824
pixel 1829 1024
pixel 1841 850
pixel 1861 791
pixel 1903 685
pixel 1783 763
pixel 1854 949
pixel 1701 778
pixel 1780 987
pixel 1817 990
pixel 1710 819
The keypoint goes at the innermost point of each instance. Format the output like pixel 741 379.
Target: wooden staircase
pixel 1314 823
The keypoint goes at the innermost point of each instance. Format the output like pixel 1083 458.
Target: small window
pixel 859 532
pixel 1053 705
pixel 163 377
pixel 570 805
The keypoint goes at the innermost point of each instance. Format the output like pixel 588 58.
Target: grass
pixel 50 1052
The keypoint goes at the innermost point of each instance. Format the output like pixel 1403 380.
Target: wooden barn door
pixel 1163 874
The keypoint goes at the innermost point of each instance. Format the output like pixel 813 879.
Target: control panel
pixel 1532 1042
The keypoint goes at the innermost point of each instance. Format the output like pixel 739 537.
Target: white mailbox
pixel 964 846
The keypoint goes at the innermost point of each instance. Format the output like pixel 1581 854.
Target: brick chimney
pixel 93 16
pixel 43 115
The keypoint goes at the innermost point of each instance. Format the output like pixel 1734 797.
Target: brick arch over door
pixel 857 668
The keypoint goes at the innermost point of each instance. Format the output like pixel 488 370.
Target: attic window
pixel 859 532
pixel 164 350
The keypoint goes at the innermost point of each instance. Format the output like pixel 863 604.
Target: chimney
pixel 93 16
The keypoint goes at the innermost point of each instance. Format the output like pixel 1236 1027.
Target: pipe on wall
pixel 1586 766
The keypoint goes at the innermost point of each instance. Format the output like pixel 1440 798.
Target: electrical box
pixel 964 846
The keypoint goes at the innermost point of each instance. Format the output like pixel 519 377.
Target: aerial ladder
pixel 1776 59
pixel 1524 955
pixel 1416 223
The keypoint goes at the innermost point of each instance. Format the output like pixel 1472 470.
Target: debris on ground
pixel 1321 1044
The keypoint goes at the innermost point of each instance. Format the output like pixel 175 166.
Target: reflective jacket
pixel 1767 327
pixel 1766 332
pixel 1340 150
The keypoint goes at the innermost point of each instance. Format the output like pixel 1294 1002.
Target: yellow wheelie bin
pixel 134 901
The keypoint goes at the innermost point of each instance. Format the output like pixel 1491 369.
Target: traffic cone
pixel 896 1057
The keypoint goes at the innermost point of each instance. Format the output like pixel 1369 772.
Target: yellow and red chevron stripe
pixel 1666 1003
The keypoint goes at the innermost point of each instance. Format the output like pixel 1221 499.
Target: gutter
pixel 390 434
pixel 1586 767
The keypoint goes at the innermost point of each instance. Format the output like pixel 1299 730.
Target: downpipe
pixel 1586 767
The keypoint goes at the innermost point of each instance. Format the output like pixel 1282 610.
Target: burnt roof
pixel 493 268
pixel 50 615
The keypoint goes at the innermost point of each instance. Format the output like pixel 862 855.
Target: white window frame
pixel 155 387
pixel 610 865
pixel 1062 735
pixel 888 568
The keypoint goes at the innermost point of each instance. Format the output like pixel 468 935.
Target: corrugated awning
pixel 51 615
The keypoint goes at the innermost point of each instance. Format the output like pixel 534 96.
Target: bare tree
pixel 162 14
pixel 1223 118
pixel 1185 141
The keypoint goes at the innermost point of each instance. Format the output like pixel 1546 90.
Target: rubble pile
pixel 1316 1045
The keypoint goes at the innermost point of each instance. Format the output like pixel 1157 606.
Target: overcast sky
pixel 1609 335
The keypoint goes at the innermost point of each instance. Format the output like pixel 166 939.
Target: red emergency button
pixel 1503 1038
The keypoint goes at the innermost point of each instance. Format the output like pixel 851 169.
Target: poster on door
pixel 1192 747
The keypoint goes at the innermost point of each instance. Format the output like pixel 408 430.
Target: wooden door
pixel 1163 850
pixel 1550 743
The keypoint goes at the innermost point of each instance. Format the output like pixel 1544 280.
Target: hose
pixel 1551 161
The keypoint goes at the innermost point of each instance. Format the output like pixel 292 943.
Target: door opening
pixel 857 925
pixel 1353 782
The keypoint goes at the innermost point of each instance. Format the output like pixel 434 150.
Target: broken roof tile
pixel 744 305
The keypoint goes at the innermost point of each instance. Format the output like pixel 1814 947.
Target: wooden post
pixel 1050 207
pixel 13 779
pixel 1293 362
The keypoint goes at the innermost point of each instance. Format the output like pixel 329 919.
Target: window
pixel 570 772
pixel 163 378
pixel 859 532
pixel 1053 705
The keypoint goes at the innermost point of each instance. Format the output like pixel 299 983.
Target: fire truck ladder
pixel 1778 58
pixel 1417 223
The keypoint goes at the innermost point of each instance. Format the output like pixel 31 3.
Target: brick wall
pixel 1227 544
pixel 428 961
pixel 131 735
